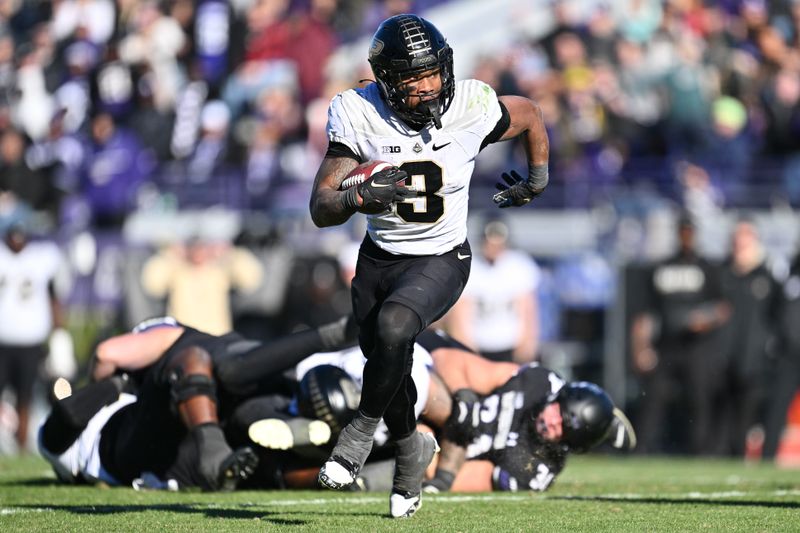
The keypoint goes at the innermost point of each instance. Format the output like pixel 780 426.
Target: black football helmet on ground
pixel 587 413
pixel 328 393
pixel 402 47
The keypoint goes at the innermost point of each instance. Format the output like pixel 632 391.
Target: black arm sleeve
pixel 342 150
pixel 499 129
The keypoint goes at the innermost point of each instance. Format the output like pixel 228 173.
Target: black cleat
pixel 237 467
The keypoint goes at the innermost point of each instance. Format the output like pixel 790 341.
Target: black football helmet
pixel 587 413
pixel 328 393
pixel 406 45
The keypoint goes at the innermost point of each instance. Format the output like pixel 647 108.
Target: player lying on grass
pixel 294 435
pixel 152 414
pixel 516 424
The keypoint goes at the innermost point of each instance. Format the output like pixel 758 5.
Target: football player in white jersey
pixel 29 314
pixel 415 258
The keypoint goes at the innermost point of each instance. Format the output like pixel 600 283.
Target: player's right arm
pixel 132 351
pixel 328 206
pixel 460 369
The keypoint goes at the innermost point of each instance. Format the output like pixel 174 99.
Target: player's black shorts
pixel 19 366
pixel 427 284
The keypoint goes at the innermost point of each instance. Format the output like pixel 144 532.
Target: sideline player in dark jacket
pixel 674 346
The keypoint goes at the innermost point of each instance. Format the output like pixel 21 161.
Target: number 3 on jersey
pixel 426 177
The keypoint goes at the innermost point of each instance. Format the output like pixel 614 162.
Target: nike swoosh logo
pixel 439 148
pixel 378 185
pixel 458 254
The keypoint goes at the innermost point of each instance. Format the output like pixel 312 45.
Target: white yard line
pixel 18 510
pixel 457 498
pixel 687 495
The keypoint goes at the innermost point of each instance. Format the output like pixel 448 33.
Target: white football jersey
pixel 81 461
pixel 26 318
pixel 439 162
pixel 352 361
pixel 494 289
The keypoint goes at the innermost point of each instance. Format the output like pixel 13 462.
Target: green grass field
pixel 594 494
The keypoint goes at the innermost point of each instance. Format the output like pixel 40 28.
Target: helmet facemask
pixel 422 49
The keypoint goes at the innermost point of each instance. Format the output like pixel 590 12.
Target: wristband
pixel 538 176
pixel 349 199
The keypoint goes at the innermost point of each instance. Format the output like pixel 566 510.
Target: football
pixel 363 172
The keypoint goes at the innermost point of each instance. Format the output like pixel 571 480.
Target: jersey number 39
pixel 426 177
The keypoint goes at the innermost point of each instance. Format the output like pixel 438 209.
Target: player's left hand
pixel 460 427
pixel 515 192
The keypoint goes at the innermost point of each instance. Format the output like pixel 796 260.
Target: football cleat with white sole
pixel 404 506
pixel 277 434
pixel 410 471
pixel 337 474
pixel 62 389
pixel 348 456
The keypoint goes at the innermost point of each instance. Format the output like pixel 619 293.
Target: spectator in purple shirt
pixel 115 168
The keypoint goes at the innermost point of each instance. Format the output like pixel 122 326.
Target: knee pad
pixel 397 324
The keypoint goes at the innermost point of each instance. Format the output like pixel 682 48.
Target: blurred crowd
pixel 107 107
pixel 688 97
pixel 115 108
pixel 111 107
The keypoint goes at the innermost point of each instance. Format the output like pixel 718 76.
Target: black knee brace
pixel 183 387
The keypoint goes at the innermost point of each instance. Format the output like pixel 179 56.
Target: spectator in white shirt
pixel 497 315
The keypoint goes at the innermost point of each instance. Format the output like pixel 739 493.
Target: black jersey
pixel 679 286
pixel 507 436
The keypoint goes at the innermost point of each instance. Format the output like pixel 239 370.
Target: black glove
pixel 378 192
pixel 517 192
pixel 460 426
